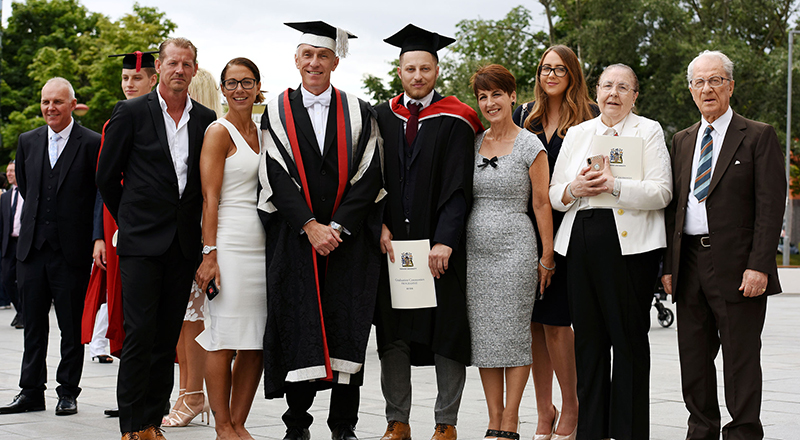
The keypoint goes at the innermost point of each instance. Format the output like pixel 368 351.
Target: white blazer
pixel 639 213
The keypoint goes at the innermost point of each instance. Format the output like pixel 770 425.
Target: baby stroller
pixel 665 315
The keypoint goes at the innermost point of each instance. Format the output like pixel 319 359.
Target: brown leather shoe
pixel 444 432
pixel 152 433
pixel 397 431
pixel 131 436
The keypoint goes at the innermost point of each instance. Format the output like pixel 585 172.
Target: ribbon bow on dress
pixel 486 162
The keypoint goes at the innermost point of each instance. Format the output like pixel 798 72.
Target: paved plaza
pixel 780 414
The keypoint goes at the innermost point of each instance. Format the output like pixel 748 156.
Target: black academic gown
pixel 437 180
pixel 348 276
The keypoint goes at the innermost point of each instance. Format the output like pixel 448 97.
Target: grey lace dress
pixel 502 256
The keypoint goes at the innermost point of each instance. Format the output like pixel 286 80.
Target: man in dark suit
pixel 153 142
pixel 11 203
pixel 428 169
pixel 722 232
pixel 55 174
pixel 321 176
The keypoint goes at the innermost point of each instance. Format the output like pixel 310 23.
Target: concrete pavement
pixel 781 400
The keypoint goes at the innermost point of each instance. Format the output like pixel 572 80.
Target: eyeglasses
pixel 608 86
pixel 232 84
pixel 714 81
pixel 560 71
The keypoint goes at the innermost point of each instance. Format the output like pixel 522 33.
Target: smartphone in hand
pixel 211 290
pixel 596 162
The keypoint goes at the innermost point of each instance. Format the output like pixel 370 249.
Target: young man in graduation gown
pixel 102 312
pixel 153 142
pixel 429 147
pixel 321 180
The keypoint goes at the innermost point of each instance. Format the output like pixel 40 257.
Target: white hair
pixel 63 82
pixel 727 64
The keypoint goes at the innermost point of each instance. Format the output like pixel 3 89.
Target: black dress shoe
pixel 23 403
pixel 103 359
pixel 343 432
pixel 112 412
pixel 297 434
pixel 67 406
pixel 14 321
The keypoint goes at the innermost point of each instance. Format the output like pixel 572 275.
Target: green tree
pixel 378 90
pixel 62 38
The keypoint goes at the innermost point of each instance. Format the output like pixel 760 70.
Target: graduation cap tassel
pixel 342 44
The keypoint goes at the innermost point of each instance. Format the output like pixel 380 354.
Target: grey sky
pixel 222 30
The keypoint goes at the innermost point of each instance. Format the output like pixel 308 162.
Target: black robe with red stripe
pixel 310 335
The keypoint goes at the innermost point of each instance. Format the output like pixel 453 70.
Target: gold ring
pixel 763 290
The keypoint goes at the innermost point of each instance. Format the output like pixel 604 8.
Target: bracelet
pixel 547 268
pixel 569 191
pixel 617 187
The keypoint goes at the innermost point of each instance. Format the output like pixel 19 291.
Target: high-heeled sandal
pixel 552 428
pixel 174 410
pixel 180 418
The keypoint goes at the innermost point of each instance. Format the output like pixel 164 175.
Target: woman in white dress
pixel 234 253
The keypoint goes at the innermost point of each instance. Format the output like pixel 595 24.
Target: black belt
pixel 698 240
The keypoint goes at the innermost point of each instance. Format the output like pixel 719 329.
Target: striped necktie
pixel 703 179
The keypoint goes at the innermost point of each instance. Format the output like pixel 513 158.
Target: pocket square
pixel 736 163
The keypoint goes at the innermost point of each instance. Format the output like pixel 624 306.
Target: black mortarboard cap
pixel 321 34
pixel 137 60
pixel 412 38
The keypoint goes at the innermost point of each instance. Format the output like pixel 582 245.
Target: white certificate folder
pixel 625 155
pixel 410 277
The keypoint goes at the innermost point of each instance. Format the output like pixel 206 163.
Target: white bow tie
pixel 309 100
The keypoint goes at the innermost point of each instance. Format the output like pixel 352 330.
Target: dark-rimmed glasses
pixel 232 84
pixel 560 71
pixel 714 81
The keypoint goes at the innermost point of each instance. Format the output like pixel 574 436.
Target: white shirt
pixel 696 216
pixel 178 139
pixel 16 214
pixel 318 107
pixel 63 137
pixel 425 101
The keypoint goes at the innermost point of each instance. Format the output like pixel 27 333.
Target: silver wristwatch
pixel 207 249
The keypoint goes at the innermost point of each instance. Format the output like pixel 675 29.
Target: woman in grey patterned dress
pixel 503 268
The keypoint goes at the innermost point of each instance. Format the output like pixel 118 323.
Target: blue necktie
pixel 703 179
pixel 53 149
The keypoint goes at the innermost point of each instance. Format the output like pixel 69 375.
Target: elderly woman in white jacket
pixel 613 253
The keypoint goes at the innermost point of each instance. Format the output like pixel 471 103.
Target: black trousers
pixel 8 269
pixel 46 278
pixel 706 321
pixel 155 291
pixel 610 296
pixel 343 406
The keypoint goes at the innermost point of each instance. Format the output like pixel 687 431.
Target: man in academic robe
pixel 321 180
pixel 102 323
pixel 55 173
pixel 429 147
pixel 102 314
pixel 723 227
pixel 153 142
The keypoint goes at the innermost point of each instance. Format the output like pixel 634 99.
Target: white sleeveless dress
pixel 237 317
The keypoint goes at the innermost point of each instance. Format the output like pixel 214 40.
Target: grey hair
pixel 626 68
pixel 727 64
pixel 63 82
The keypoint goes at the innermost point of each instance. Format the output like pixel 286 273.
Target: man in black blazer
pixel 153 142
pixel 722 231
pixel 55 173
pixel 11 203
